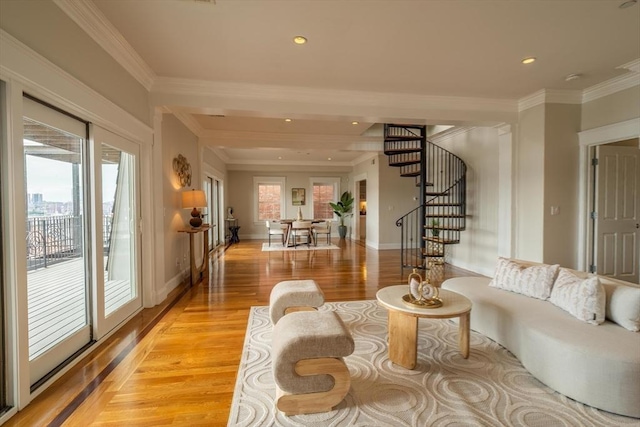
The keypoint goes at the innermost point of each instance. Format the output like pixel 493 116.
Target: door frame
pixel 209 171
pixel 588 139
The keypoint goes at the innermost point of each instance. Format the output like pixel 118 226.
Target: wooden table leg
pixel 403 339
pixel 192 261
pixel 464 331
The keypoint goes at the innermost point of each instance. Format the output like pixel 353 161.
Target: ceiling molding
pixel 610 133
pixel 633 66
pixel 188 120
pixel 549 96
pixel 346 142
pixel 451 133
pixel 238 165
pixel 198 88
pixel 221 154
pixel 614 85
pixel 102 31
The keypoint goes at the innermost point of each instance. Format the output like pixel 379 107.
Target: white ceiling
pixel 449 48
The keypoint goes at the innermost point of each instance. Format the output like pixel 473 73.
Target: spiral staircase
pixel 438 221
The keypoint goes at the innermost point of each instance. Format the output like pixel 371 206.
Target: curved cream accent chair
pixel 276 229
pixel 323 228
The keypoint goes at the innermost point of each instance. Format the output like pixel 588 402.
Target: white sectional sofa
pixel 598 365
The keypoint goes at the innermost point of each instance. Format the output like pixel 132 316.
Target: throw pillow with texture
pixel 585 299
pixel 623 305
pixel 533 281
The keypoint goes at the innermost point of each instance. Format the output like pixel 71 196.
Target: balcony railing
pixel 54 239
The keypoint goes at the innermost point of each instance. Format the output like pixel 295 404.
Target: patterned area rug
pixel 491 388
pixel 275 247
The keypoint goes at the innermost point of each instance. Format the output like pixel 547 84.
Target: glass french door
pixel 212 211
pixel 119 292
pixel 57 258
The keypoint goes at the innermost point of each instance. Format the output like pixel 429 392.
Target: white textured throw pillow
pixel 623 305
pixel 583 298
pixel 533 281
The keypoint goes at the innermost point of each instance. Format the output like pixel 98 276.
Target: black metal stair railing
pixel 441 177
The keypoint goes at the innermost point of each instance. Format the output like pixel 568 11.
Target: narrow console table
pixel 204 268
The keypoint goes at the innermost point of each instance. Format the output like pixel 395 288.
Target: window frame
pixel 269 180
pixel 328 180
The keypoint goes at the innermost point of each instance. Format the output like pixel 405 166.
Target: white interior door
pixel 617 236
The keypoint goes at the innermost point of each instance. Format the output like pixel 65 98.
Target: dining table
pixel 289 224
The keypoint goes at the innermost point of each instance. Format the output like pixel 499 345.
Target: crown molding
pixel 199 88
pixel 188 120
pixel 451 133
pixel 614 85
pixel 100 29
pixel 550 96
pixel 45 80
pixel 610 133
pixel 633 66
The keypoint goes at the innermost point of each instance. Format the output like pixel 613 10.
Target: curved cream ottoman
pixel 310 375
pixel 294 295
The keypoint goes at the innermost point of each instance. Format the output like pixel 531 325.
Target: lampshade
pixel 193 199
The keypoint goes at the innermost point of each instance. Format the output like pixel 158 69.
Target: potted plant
pixel 343 209
pixel 435 228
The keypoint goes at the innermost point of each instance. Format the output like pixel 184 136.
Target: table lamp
pixel 194 199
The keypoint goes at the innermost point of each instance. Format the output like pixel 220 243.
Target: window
pixel 325 190
pixel 269 198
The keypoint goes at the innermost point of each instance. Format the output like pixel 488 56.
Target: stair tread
pixel 440 227
pixel 428 184
pixel 436 193
pixel 410 174
pixel 443 204
pixel 392 151
pixel 442 241
pixel 393 138
pixel 404 163
pixel 435 215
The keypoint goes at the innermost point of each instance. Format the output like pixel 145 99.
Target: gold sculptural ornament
pixel 422 294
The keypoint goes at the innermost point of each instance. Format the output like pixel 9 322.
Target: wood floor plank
pixel 183 371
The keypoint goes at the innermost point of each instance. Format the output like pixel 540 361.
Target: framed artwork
pixel 298 196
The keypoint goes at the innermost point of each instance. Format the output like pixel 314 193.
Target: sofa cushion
pixel 583 298
pixel 533 281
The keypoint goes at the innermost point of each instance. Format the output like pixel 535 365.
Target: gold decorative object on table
pixel 422 294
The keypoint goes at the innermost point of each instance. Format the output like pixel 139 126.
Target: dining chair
pixel 277 229
pixel 301 228
pixel 322 228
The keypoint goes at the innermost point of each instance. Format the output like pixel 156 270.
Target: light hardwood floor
pixel 176 364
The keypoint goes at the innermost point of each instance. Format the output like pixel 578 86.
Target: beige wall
pixel 396 194
pixel 614 108
pixel 529 184
pixel 240 194
pixel 43 27
pixel 176 139
pixel 561 174
pixel 478 248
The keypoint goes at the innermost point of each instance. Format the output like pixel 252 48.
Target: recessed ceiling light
pixel 529 60
pixel 279 157
pixel 299 40
pixel 328 158
pixel 573 76
pixel 287 120
pixel 627 4
pixel 354 122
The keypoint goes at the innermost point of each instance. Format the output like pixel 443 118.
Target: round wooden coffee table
pixel 403 322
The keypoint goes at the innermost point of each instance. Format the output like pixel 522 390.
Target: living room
pixel 527 132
